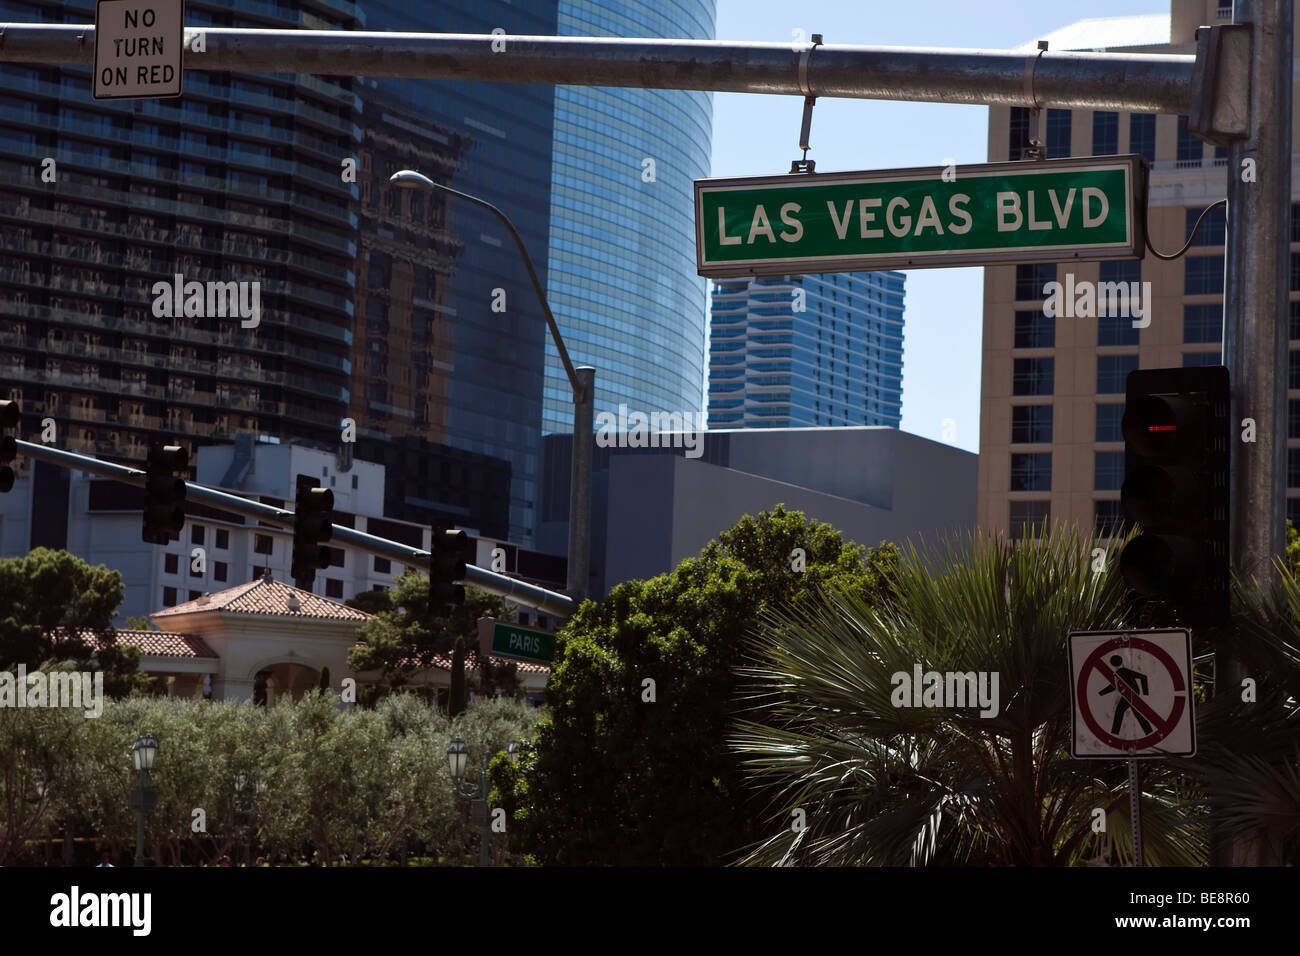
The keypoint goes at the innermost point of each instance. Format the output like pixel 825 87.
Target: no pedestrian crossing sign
pixel 1033 211
pixel 1131 694
pixel 138 46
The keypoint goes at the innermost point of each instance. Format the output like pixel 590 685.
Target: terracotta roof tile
pixel 267 596
pixel 154 643
pixel 166 643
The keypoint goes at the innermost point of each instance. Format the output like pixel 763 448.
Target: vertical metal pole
pixel 1256 292
pixel 139 824
pixel 580 485
pixel 1135 811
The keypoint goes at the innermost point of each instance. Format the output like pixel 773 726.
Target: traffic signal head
pixel 446 567
pixel 313 519
pixel 9 417
pixel 1176 462
pixel 164 493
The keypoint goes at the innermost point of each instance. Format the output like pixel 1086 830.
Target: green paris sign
pixel 1047 211
pixel 523 643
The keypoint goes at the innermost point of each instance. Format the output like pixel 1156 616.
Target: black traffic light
pixel 164 493
pixel 9 416
pixel 446 567
pixel 1176 462
pixel 313 516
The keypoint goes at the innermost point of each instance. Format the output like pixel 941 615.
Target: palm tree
pixel 880 784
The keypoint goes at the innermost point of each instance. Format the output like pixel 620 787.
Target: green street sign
pixel 524 643
pixel 1034 211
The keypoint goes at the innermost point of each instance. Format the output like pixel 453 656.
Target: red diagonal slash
pixel 1135 700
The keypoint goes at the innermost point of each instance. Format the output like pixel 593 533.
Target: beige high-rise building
pixel 1052 389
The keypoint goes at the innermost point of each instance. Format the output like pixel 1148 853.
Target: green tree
pixel 871 783
pixel 55 607
pixel 615 777
pixel 399 642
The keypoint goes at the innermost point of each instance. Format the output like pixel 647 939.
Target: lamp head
pixel 410 179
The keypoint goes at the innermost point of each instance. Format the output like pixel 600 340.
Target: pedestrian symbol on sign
pixel 1132 678
pixel 1131 694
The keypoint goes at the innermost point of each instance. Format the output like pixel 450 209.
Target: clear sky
pixel 759 135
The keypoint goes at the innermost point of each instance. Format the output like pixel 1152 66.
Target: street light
pixel 143 754
pixel 513 751
pixel 581 379
pixel 475 793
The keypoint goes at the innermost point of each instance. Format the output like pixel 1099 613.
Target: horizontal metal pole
pixel 1109 81
pixel 521 592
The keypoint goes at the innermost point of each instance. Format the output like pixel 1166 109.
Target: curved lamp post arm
pixel 408 179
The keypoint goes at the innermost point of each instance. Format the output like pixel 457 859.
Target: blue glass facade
pixel 622 282
pixel 790 351
pixel 376 304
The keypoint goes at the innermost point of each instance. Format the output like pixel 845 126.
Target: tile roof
pixel 267 596
pixel 166 643
pixel 154 643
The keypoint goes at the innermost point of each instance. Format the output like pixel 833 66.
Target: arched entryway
pixel 284 680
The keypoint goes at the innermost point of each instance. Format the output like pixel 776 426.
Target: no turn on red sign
pixel 138 47
pixel 1131 694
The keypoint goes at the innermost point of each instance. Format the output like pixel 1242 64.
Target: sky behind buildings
pixel 758 136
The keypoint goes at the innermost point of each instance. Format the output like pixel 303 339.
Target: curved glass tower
pixel 622 278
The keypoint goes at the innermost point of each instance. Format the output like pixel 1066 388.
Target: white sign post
pixel 1131 697
pixel 1131 694
pixel 138 45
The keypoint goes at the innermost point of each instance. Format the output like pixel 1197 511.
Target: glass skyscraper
pixel 791 351
pixel 622 282
pixel 375 304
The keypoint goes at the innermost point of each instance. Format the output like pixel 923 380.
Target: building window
pixel 1293 467
pixel 1108 470
pixel 196 534
pixel 1029 517
pixel 1032 376
pixel 171 564
pixel 1202 323
pixel 1203 275
pixel 223 539
pixel 1108 423
pixel 1142 135
pixel 195 573
pixel 1214 231
pixel 1112 370
pixel 169 597
pixel 1031 471
pixel 1116 330
pixel 262 543
pixel 1294 332
pixel 1293 370
pixel 1031 278
pixel 219 570
pixel 383 565
pixel 195 595
pixel 1018 141
pixel 1120 270
pixel 1200 359
pixel 258 571
pixel 1107 518
pixel 1105 133
pixel 336 557
pixel 1190 149
pixel 1031 424
pixel 1058 134
pixel 1034 330
pixel 334 588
